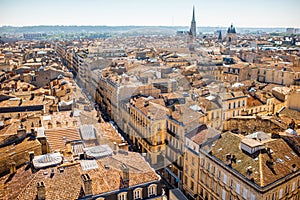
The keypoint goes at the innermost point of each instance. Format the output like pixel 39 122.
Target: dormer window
pixel 137 193
pixel 122 196
pixel 152 190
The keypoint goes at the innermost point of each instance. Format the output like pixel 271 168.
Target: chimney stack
pixel 41 191
pixel 249 173
pixel 87 183
pixel 12 167
pixel 31 155
pixel 125 176
pixel 115 146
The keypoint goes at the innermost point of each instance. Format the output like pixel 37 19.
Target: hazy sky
pixel 242 13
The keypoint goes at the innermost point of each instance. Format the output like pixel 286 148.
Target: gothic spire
pixel 193 24
pixel 193 19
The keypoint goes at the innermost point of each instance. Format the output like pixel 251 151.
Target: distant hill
pixel 122 29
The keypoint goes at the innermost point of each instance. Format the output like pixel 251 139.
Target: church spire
pixel 193 24
pixel 193 19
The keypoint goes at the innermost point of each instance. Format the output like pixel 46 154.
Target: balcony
pixel 172 133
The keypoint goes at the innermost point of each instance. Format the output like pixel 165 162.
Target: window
pixel 193 161
pixel 280 193
pixel 252 197
pixel 207 181
pixel 219 174
pixel 203 162
pixel 152 190
pixel 122 196
pixel 201 192
pixel 229 106
pixel 287 189
pixel 237 188
pixel 202 177
pixel 233 104
pixel 223 194
pixel 218 189
pixel 137 193
pixel 212 185
pixel 293 186
pixel 192 185
pixel 245 191
pixel 273 196
pixel 231 183
pixel 213 170
pixel 192 173
pixel 208 166
pixel 225 179
pixel 185 180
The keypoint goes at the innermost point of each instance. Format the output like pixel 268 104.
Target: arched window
pixel 122 196
pixel 152 190
pixel 137 193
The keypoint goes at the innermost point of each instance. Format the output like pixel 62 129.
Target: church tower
pixel 231 37
pixel 193 25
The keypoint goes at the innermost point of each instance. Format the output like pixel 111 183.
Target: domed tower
pixel 231 35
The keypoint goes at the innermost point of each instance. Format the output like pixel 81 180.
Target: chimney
pixel 294 169
pixel 124 182
pixel 115 146
pixel 249 173
pixel 41 191
pixel 228 160
pixel 270 164
pixel 31 155
pixel 87 183
pixel 31 96
pixel 21 132
pixel 12 167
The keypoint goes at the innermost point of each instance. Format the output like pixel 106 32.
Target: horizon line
pixel 208 26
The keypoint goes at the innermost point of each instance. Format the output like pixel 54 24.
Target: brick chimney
pixel 87 184
pixel 41 191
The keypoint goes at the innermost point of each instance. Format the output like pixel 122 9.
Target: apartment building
pixel 251 167
pixel 233 104
pixel 143 120
pixel 195 140
pixel 181 119
pixel 236 72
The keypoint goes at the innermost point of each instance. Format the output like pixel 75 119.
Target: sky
pixel 242 13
